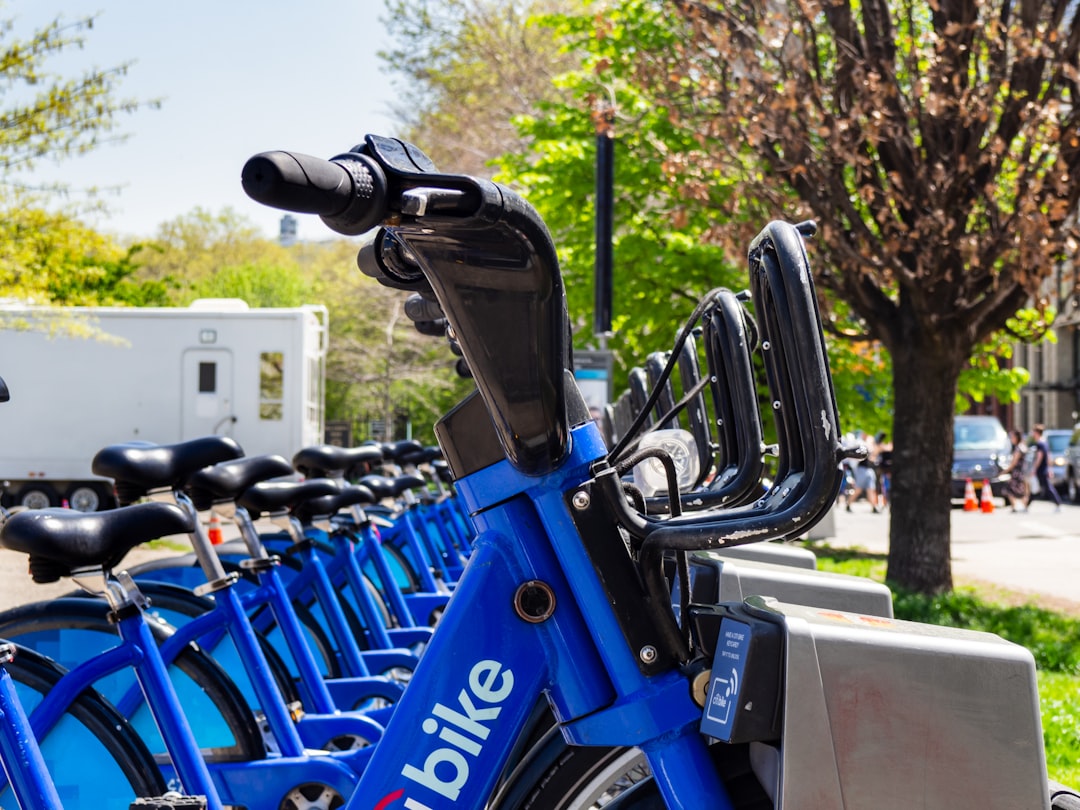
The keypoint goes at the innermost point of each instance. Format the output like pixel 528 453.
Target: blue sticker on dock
pixel 729 664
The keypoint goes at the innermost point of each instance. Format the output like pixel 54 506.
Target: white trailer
pixel 161 375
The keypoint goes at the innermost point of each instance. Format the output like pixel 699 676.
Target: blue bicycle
pixel 574 584
pixel 529 464
pixel 113 762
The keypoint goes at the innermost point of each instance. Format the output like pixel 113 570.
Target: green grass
pixel 849 561
pixel 1053 638
pixel 169 544
pixel 1058 694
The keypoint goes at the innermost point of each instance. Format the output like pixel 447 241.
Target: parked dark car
pixel 981 451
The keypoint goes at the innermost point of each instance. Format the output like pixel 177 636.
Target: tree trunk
pixel 925 373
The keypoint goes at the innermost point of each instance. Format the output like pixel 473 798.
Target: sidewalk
pixel 1035 553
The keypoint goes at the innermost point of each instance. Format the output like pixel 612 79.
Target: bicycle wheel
pixel 71 631
pixel 95 757
pixel 558 776
pixel 307 604
pixel 177 605
pixel 184 572
pixel 408 581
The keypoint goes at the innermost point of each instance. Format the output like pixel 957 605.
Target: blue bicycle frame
pixel 347 563
pixel 385 645
pixel 20 756
pixel 413 609
pixel 278 588
pixel 479 680
pixel 438 538
pixel 323 719
pixel 531 614
pixel 190 768
pixel 412 539
pixel 336 542
pixel 222 781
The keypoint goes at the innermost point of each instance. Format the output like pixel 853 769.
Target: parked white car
pixel 1072 466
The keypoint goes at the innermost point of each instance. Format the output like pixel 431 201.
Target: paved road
pixel 1035 553
pixel 16 587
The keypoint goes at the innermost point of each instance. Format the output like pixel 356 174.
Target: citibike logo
pixel 464 729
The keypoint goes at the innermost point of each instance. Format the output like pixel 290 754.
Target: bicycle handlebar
pixel 508 294
pixel 349 191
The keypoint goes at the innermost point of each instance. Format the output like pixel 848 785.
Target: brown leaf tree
pixel 464 69
pixel 937 144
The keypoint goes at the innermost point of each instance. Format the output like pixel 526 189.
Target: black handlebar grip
pixel 295 182
pixel 419 308
pixel 348 192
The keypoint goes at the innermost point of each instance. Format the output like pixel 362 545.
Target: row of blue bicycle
pixel 286 649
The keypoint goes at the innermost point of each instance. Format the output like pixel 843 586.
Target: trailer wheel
pixel 84 497
pixel 37 496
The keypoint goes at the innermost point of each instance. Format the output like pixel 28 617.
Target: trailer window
pixel 207 378
pixel 271 385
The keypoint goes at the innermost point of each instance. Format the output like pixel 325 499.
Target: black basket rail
pixel 804 405
pixel 695 409
pixel 729 438
pixel 655 363
pixel 638 388
pixel 730 339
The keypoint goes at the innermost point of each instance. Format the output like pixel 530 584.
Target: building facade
pixel 1052 396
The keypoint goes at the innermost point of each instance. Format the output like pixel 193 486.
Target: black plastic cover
pixel 756 693
pixel 469 440
pixel 491 263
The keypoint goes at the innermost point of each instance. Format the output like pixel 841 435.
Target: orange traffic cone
pixel 987 501
pixel 970 504
pixel 215 529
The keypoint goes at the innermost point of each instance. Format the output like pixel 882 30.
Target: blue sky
pixel 235 77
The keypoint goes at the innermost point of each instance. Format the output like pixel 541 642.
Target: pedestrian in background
pixel 884 467
pixel 865 477
pixel 847 486
pixel 1016 490
pixel 1042 469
